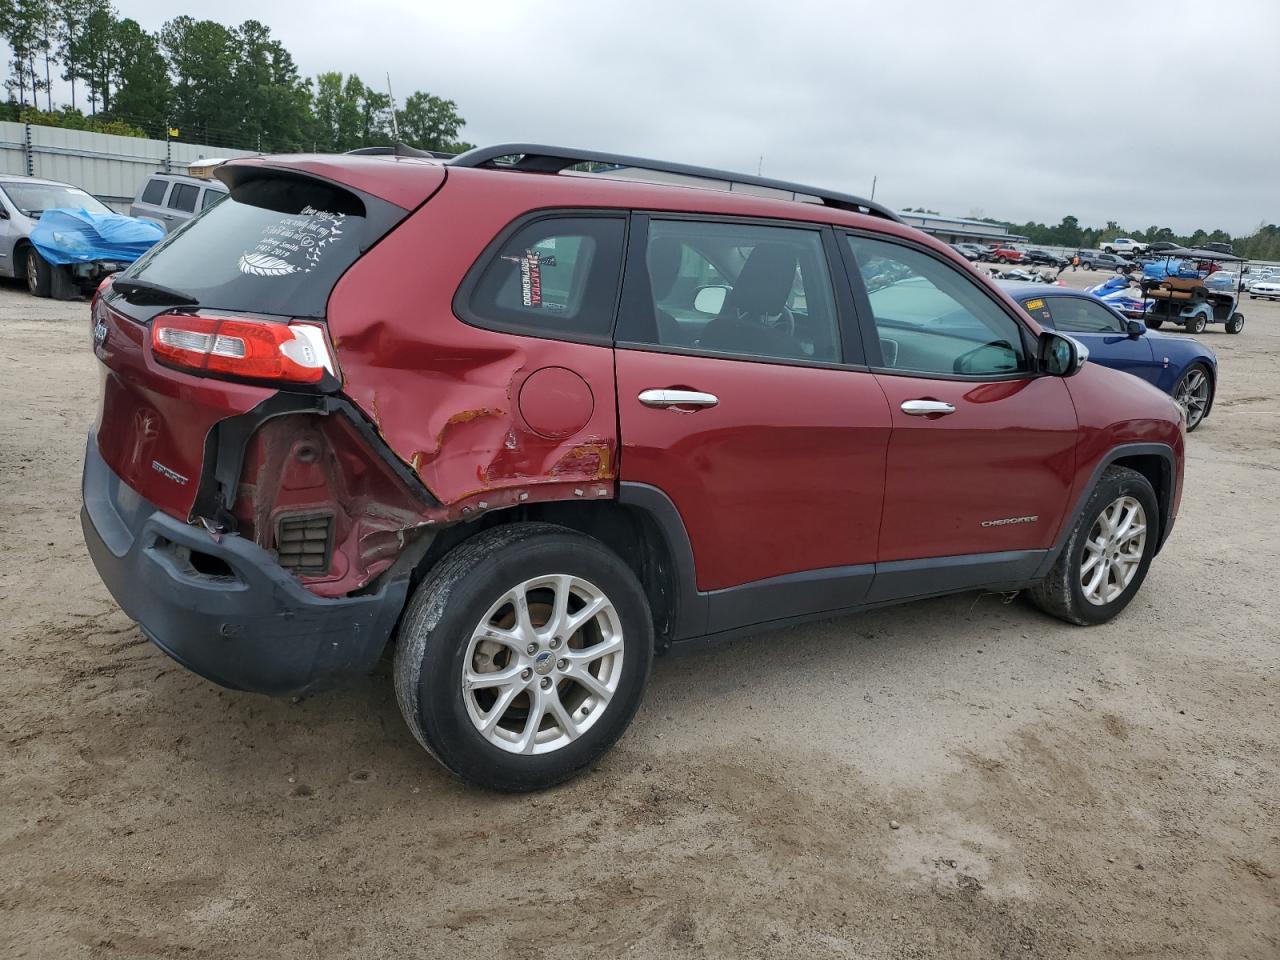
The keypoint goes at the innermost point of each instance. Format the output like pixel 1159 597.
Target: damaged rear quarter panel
pixel 446 395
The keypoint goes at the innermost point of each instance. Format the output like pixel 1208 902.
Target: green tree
pixel 71 17
pixel 144 93
pixel 277 103
pixel 345 112
pixel 202 58
pixel 99 54
pixel 431 123
pixel 1069 232
pixel 325 106
pixel 24 26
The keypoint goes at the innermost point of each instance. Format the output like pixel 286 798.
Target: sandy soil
pixel 1112 792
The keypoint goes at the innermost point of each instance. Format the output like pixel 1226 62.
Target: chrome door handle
pixel 677 398
pixel 926 408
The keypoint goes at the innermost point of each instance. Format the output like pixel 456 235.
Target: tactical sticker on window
pixel 1035 304
pixel 293 244
pixel 531 264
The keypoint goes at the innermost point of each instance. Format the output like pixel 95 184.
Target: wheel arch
pixel 1155 461
pixel 642 527
pixel 20 249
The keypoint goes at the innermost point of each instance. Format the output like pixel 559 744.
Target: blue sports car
pixel 1179 366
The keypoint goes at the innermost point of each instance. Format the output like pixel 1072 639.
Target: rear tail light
pixel 246 349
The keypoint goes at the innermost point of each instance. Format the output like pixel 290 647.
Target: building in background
pixel 957 230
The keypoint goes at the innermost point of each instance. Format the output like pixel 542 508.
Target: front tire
pixel 1236 323
pixel 523 656
pixel 1107 552
pixel 39 274
pixel 1194 394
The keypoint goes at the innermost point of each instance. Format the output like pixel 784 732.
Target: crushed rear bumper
pixel 248 626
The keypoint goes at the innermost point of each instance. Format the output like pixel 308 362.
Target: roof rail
pixel 400 150
pixel 538 158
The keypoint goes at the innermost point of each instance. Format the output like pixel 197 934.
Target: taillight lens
pixel 246 349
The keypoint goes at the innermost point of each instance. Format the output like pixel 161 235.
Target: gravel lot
pixel 1112 792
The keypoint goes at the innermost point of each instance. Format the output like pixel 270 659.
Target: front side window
pixel 556 276
pixel 1077 315
pixel 183 197
pixel 932 319
pixel 738 289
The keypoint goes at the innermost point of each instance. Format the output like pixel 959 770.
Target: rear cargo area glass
pixel 276 245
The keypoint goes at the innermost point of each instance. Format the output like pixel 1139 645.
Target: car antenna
pixel 395 124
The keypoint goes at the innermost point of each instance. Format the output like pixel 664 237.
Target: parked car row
pixel 614 416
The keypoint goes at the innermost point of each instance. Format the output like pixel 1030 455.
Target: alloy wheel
pixel 33 276
pixel 543 664
pixel 1192 395
pixel 1114 550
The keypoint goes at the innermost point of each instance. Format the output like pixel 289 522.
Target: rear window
pixel 276 245
pixel 183 197
pixel 154 193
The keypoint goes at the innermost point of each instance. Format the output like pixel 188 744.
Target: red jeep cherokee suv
pixel 538 425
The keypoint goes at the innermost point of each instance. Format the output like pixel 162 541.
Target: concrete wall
pixel 109 167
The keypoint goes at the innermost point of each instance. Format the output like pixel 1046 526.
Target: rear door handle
pixel 677 398
pixel 927 408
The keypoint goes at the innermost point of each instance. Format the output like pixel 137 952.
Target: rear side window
pixel 742 289
pixel 154 192
pixel 556 277
pixel 276 245
pixel 210 197
pixel 183 197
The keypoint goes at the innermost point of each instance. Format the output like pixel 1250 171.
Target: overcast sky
pixel 1164 113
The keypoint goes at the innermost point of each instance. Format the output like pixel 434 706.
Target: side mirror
pixel 710 300
pixel 1135 328
pixel 1061 356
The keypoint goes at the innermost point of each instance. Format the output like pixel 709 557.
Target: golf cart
pixel 1174 290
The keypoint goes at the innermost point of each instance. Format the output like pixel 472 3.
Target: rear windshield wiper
pixel 145 292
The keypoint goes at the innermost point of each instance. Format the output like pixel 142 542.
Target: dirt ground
pixel 1111 792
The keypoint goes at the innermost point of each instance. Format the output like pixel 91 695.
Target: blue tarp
pixel 77 236
pixel 1169 268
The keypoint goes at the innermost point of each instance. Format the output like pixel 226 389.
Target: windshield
pixel 33 199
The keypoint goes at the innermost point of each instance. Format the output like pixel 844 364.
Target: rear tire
pixel 1236 323
pixel 39 274
pixel 1155 324
pixel 461 624
pixel 1087 265
pixel 1122 558
pixel 1195 324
